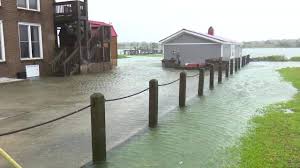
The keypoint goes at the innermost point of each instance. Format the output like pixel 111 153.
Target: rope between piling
pixel 166 84
pixel 44 123
pixel 125 97
pixel 86 107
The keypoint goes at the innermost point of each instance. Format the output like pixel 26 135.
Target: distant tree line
pixel 139 46
pixel 291 43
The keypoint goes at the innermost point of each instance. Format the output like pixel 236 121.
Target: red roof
pixel 96 24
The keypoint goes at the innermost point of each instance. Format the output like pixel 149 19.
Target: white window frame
pixel 27 6
pixel 30 42
pixel 2 41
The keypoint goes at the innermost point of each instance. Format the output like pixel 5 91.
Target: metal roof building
pixel 190 47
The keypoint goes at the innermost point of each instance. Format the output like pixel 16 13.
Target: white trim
pixel 29 9
pixel 191 33
pixel 190 43
pixel 28 59
pixel 2 41
pixel 30 42
pixel 197 35
pixel 222 51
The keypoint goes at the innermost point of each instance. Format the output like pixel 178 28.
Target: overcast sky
pixel 241 20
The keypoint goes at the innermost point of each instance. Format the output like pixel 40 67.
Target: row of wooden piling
pixel 98 102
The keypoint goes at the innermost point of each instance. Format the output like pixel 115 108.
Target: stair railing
pixel 93 43
pixel 57 61
pixel 72 63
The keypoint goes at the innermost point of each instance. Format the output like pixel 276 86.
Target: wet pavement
pixel 67 143
pixel 9 80
pixel 31 102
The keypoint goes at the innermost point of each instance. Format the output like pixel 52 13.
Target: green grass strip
pixel 273 141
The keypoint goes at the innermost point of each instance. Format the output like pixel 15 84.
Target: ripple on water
pixel 198 135
pixel 193 136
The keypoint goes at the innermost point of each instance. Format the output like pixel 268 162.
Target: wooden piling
pixel 211 76
pixel 248 59
pixel 201 82
pixel 242 61
pixel 235 65
pixel 182 89
pixel 239 63
pixel 98 127
pixel 220 73
pixel 153 103
pixel 227 70
pixel 231 66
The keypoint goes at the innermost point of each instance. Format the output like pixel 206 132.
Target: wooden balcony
pixel 70 11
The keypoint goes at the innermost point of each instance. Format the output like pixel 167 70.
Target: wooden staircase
pixel 79 44
pixel 68 60
pixel 65 64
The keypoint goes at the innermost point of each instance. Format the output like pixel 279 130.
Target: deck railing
pixel 99 45
pixel 70 9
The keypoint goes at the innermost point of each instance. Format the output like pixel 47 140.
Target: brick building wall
pixel 11 16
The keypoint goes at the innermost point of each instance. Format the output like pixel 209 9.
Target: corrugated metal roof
pixel 96 24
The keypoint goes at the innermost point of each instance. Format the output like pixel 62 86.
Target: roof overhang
pixel 207 37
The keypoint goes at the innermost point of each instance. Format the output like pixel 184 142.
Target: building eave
pixel 167 39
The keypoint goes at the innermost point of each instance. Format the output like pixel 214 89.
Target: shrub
pixel 295 58
pixel 272 58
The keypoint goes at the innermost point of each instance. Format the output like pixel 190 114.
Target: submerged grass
pixel 297 58
pixel 274 139
pixel 123 56
pixel 273 58
pixel 148 55
pixel 276 58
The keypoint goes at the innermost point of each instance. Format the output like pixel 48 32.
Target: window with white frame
pixel 30 41
pixel 2 50
pixel 29 4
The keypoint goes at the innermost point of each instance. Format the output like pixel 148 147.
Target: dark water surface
pixel 190 137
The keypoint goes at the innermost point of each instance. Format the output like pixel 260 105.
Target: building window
pixel 30 41
pixel 29 4
pixel 2 49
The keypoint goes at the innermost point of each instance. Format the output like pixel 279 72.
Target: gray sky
pixel 241 20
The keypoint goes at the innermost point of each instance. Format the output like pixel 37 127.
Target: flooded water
pixel 190 137
pixel 198 135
